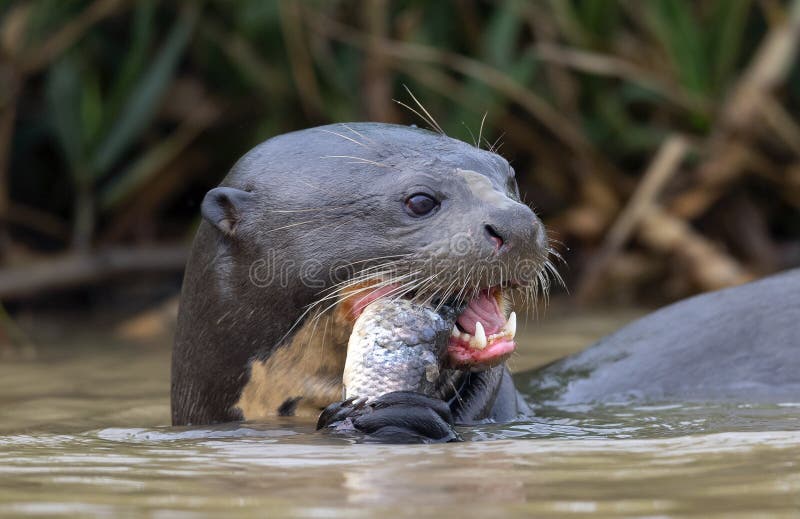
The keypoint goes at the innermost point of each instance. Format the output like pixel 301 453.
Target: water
pixel 82 433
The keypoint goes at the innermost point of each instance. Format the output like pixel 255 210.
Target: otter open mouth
pixel 482 336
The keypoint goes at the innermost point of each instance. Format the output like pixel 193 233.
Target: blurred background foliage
pixel 657 139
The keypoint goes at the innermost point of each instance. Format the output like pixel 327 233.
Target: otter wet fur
pixel 309 228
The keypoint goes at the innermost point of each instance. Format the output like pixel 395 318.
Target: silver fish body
pixel 397 345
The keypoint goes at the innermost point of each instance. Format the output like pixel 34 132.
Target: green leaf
pixel 681 35
pixel 727 35
pixel 500 38
pixel 46 17
pixel 141 106
pixel 144 169
pixel 91 107
pixel 135 59
pixel 587 23
pixel 600 18
pixel 63 91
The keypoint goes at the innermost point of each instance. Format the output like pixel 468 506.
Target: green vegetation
pixel 116 116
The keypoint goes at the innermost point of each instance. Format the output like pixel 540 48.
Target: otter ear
pixel 224 206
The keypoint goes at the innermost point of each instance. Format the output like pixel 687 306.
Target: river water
pixel 83 432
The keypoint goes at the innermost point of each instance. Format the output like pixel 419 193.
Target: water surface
pixel 83 433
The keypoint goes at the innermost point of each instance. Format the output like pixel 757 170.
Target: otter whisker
pixel 552 251
pixel 308 210
pixel 418 286
pixel 309 308
pixel 356 160
pixel 455 391
pixel 442 292
pixel 366 273
pixel 398 292
pixel 553 271
pixel 342 297
pixel 430 117
pixel 509 292
pixel 325 334
pixel 554 241
pixel 344 137
pixel 415 112
pixel 389 266
pixel 494 148
pixel 445 294
pixel 399 256
pixel 468 280
pixel 374 267
pixel 338 291
pixel 381 257
pixel 480 130
pixel 348 290
pixel 474 142
pixel 544 286
pixel 314 331
pixel 288 226
pixel 358 133
pixel 380 283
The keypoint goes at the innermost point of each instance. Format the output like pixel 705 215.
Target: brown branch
pixel 300 60
pixel 744 112
pixel 38 220
pixel 768 70
pixel 74 269
pixel 708 266
pixel 375 74
pixel 70 33
pixel 661 169
pixel 613 66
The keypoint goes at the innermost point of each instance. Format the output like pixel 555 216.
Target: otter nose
pixel 517 228
pixel 494 237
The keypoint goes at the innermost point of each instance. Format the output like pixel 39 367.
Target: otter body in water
pixel 741 344
pixel 310 227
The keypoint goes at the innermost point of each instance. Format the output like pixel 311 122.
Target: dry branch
pixel 708 266
pixel 744 112
pixel 72 270
pixel 644 199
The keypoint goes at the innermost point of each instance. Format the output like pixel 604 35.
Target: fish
pixel 399 345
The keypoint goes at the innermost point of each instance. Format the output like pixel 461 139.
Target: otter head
pixel 338 216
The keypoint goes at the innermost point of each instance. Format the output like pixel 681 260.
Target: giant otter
pixel 309 227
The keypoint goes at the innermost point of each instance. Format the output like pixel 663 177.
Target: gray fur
pixel 741 344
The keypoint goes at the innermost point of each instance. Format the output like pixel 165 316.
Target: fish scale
pixel 397 345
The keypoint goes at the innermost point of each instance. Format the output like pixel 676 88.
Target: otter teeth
pixel 511 326
pixel 479 340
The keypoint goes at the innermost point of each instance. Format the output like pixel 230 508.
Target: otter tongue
pixel 483 308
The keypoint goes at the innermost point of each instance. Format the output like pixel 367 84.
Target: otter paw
pixel 398 417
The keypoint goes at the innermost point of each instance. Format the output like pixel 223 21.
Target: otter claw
pixel 339 411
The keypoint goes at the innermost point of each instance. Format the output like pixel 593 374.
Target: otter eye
pixel 421 204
